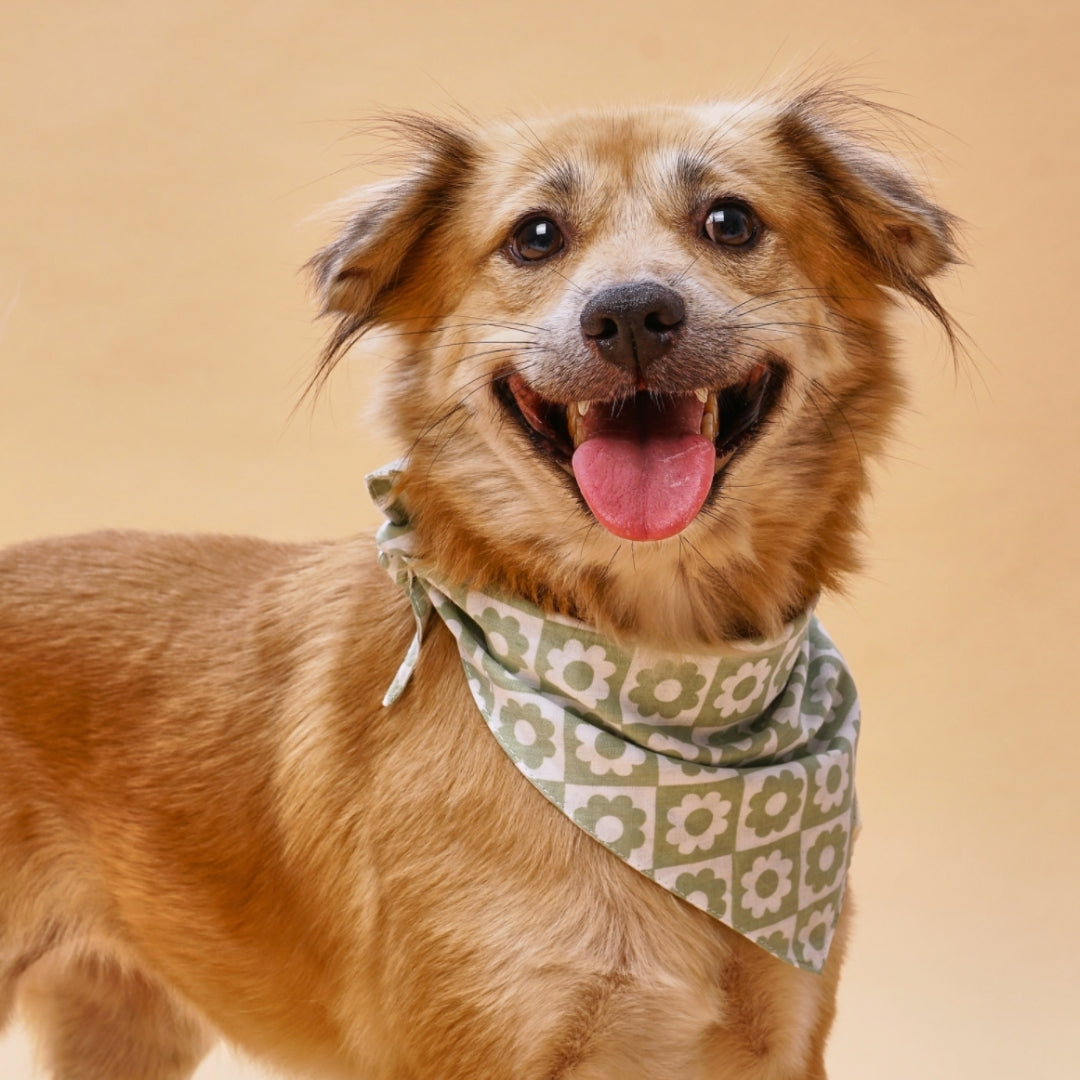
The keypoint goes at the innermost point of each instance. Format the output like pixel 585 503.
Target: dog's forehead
pixel 626 152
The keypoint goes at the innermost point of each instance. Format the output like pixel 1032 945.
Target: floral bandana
pixel 726 778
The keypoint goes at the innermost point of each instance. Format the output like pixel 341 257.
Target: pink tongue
pixel 645 471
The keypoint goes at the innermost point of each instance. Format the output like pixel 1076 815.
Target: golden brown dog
pixel 209 823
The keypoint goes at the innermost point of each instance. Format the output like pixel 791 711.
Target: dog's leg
pixel 93 1020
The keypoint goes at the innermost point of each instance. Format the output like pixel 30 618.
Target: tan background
pixel 158 164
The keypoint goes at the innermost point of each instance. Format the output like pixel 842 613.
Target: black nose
pixel 633 325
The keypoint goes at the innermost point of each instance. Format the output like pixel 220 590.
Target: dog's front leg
pixel 93 1020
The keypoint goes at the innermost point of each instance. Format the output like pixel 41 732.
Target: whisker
pixel 606 572
pixel 782 327
pixel 683 539
pixel 681 276
pixel 569 281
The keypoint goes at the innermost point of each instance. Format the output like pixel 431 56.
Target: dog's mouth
pixel 646 463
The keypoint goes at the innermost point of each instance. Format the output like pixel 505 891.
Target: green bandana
pixel 726 778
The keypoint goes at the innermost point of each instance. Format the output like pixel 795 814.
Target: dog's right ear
pixel 357 275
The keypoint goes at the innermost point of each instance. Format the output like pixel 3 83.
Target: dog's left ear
pixel 885 217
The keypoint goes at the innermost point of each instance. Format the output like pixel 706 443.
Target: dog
pixel 639 363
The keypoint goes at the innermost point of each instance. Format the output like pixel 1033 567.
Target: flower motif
pixel 762 744
pixel 685 753
pixel 668 745
pixel 689 769
pixel 786 712
pixel 704 890
pixel 668 689
pixel 526 734
pixel 778 801
pixel 766 884
pixel 825 858
pixel 787 663
pixel 833 778
pixel 503 633
pixel 616 822
pixel 778 943
pixel 697 821
pixel 480 688
pixel 814 937
pixel 604 753
pixel 823 688
pixel 450 617
pixel 739 691
pixel 581 672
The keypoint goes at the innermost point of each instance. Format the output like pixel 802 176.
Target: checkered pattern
pixel 727 777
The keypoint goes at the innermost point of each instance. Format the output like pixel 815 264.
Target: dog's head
pixel 640 357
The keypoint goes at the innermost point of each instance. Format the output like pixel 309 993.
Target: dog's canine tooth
pixel 710 417
pixel 573 426
pixel 701 394
pixel 574 412
pixel 708 426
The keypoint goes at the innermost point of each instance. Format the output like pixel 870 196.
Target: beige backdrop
pixel 159 164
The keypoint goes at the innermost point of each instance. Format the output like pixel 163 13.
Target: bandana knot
pixel 726 777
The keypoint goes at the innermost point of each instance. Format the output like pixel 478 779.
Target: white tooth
pixel 702 395
pixel 710 417
pixel 583 407
pixel 572 426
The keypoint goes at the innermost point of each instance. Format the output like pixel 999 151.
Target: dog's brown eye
pixel 537 238
pixel 731 224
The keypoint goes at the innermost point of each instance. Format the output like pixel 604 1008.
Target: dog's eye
pixel 536 238
pixel 731 224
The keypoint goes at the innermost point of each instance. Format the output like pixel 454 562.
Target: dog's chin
pixel 647 464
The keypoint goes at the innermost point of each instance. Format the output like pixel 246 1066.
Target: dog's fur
pixel 210 825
